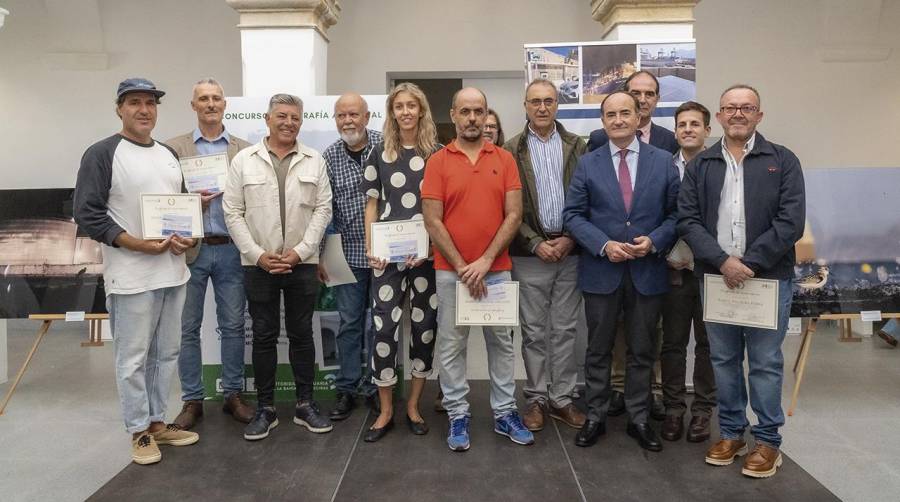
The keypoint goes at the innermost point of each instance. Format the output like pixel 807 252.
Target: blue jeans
pixel 352 303
pixel 766 361
pixel 222 264
pixel 145 329
pixel 452 344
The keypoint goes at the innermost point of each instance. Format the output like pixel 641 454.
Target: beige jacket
pixel 253 211
pixel 184 146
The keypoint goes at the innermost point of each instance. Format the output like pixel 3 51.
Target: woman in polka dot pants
pixel 392 180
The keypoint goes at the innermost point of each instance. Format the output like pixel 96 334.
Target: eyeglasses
pixel 745 110
pixel 490 127
pixel 548 102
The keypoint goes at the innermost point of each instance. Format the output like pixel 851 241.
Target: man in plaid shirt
pixel 345 160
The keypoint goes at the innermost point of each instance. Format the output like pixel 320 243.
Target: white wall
pixel 48 117
pixel 829 114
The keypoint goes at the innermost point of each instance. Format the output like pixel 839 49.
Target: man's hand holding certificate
pixel 753 303
pixel 164 215
pixel 499 307
pixel 396 241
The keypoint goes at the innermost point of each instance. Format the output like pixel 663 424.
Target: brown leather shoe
pixel 724 451
pixel 672 428
pixel 236 407
pixel 762 462
pixel 191 412
pixel 534 416
pixel 698 430
pixel 569 415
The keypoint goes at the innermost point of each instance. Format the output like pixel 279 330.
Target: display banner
pixel 586 72
pixel 244 118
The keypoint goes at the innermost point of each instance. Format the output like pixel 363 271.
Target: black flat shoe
pixel 590 432
pixel 373 434
pixel 417 428
pixel 645 435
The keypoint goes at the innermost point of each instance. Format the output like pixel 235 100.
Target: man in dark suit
pixel 741 210
pixel 645 87
pixel 620 207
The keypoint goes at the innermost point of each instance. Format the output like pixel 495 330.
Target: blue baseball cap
pixel 138 84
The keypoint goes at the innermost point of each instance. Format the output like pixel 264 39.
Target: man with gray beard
pixel 343 161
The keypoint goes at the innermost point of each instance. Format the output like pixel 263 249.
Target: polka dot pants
pixel 389 287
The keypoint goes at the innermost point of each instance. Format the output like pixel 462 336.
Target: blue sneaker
pixel 511 426
pixel 458 438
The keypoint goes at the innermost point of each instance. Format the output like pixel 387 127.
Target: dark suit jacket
pixel 774 207
pixel 184 146
pixel 660 137
pixel 595 214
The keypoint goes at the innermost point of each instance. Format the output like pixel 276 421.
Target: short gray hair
pixel 742 86
pixel 285 99
pixel 210 81
pixel 542 81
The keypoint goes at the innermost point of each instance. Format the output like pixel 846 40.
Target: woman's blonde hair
pixel 426 137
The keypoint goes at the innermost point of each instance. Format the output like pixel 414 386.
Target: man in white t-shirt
pixel 144 279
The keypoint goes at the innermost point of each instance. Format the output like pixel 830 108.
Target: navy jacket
pixel 595 213
pixel 660 137
pixel 774 207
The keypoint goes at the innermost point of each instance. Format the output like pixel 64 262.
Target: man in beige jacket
pixel 277 204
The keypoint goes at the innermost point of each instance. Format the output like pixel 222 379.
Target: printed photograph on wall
pixel 604 69
pixel 49 265
pixel 849 256
pixel 560 65
pixel 675 66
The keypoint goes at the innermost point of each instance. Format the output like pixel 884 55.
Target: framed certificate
pixel 754 304
pixel 499 308
pixel 205 172
pixel 395 240
pixel 165 214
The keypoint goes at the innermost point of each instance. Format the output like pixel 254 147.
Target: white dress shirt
pixel 631 158
pixel 732 225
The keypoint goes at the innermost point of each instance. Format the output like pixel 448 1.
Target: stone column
pixel 284 45
pixel 645 19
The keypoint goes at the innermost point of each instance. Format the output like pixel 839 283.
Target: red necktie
pixel 625 180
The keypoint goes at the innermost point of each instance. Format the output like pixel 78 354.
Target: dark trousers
pixel 681 308
pixel 641 315
pixel 264 291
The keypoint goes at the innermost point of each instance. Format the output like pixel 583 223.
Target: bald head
pixel 351 116
pixel 469 93
pixel 468 113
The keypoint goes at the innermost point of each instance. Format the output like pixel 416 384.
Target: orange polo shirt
pixel 473 197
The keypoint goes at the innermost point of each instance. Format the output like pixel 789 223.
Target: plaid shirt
pixel 348 203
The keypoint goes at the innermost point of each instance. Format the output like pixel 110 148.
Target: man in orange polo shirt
pixel 472 203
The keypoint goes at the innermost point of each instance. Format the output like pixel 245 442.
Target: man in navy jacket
pixel 645 87
pixel 741 209
pixel 620 207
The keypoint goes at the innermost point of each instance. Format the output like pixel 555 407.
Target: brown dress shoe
pixel 672 428
pixel 236 407
pixel 191 412
pixel 762 462
pixel 534 416
pixel 724 451
pixel 569 415
pixel 698 430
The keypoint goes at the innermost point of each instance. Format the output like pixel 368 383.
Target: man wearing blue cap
pixel 144 279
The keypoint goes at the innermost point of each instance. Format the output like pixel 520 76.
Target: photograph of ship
pixel 849 257
pixel 675 65
pixel 604 69
pixel 560 66
pixel 49 266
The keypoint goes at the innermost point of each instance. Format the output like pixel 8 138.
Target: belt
pixel 555 235
pixel 217 240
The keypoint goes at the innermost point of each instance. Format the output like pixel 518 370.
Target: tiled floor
pixel 62 439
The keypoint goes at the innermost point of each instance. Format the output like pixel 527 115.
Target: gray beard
pixel 353 139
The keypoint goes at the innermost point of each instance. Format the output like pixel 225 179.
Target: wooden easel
pixel 846 335
pixel 94 340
